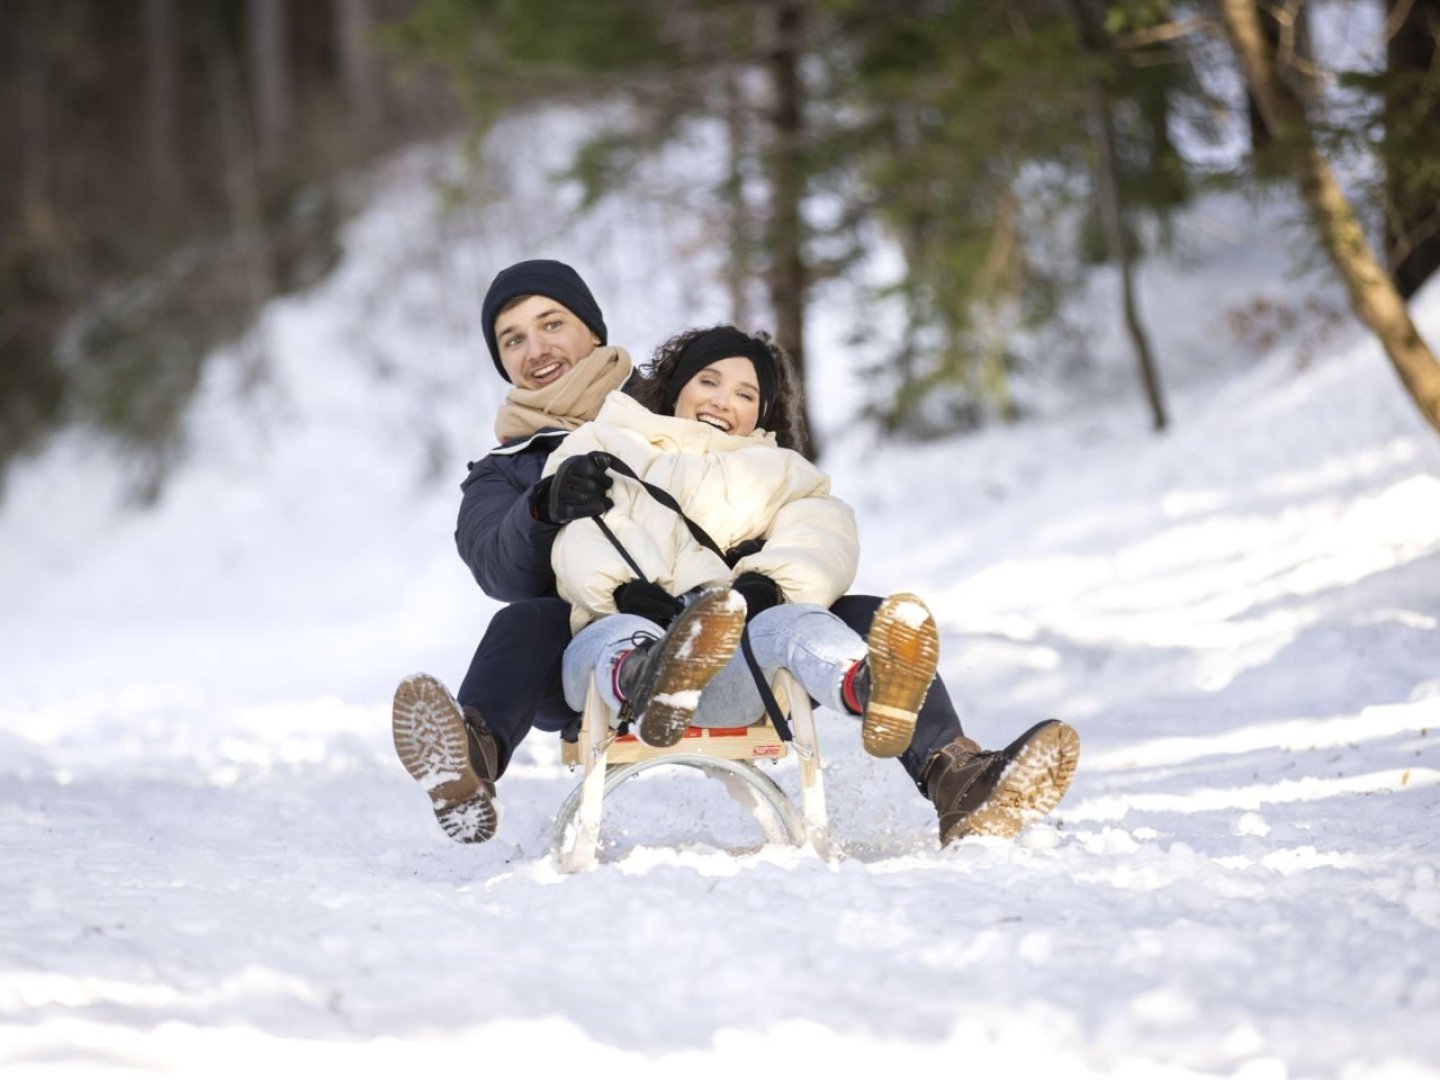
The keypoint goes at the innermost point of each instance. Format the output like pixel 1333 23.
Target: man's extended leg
pixel 977 792
pixel 514 678
pixel 457 749
pixel 450 754
pixel 937 723
pixel 882 679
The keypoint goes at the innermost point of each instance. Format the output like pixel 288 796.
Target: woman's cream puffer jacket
pixel 735 487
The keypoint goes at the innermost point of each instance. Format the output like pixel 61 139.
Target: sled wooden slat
pixel 760 742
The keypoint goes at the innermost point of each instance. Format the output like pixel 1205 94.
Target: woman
pixel 658 608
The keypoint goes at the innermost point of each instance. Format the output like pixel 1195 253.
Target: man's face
pixel 540 340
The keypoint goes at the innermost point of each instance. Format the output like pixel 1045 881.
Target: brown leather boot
pixel 452 755
pixel 998 792
pixel 661 682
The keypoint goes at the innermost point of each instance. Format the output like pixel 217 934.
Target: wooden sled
pixel 729 755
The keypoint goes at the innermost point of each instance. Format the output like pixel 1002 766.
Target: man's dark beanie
pixel 539 277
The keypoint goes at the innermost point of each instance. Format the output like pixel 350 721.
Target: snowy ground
pixel 214 865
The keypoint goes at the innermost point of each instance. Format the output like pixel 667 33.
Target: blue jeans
pixel 515 679
pixel 804 639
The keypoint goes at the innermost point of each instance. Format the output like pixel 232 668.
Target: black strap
pixel 772 706
pixel 618 546
pixel 664 498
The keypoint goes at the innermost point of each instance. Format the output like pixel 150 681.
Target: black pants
pixel 514 678
pixel 938 722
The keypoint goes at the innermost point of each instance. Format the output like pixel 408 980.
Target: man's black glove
pixel 648 600
pixel 759 591
pixel 577 490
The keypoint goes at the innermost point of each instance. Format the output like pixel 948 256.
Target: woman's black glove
pixel 742 549
pixel 648 600
pixel 577 490
pixel 759 591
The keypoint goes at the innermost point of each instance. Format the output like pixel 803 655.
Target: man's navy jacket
pixel 505 546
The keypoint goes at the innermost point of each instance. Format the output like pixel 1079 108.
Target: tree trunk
pixel 999 284
pixel 1261 137
pixel 737 225
pixel 37 211
pixel 1112 223
pixel 1412 129
pixel 161 93
pixel 1373 295
pixel 354 23
pixel 270 80
pixel 787 180
pixel 1286 30
pixel 244 202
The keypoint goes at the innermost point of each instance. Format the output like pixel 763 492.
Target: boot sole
pixel 700 643
pixel 904 649
pixel 1031 786
pixel 430 740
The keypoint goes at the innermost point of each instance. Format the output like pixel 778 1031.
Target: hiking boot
pixel 904 647
pixel 450 753
pixel 661 680
pixel 998 792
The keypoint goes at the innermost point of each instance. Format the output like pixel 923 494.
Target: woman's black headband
pixel 720 344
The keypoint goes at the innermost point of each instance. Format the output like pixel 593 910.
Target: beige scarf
pixel 571 401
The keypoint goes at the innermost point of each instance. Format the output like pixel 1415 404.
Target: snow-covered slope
pixel 214 865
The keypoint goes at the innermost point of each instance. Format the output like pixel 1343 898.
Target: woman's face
pixel 725 395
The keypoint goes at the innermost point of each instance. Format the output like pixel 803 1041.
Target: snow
pixel 214 864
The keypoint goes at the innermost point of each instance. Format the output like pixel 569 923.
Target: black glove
pixel 648 600
pixel 577 490
pixel 759 591
pixel 740 550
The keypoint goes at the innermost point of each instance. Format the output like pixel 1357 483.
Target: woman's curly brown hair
pixel 784 418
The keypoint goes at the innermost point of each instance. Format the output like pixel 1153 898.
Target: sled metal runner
pixel 730 755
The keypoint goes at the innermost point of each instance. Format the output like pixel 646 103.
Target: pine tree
pixel 136 229
pixel 991 125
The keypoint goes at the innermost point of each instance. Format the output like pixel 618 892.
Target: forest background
pixel 168 168
pixel 1189 509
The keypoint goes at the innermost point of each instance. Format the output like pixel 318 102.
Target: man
pixel 547 337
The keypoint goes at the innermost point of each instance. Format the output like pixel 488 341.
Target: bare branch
pixel 1166 32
